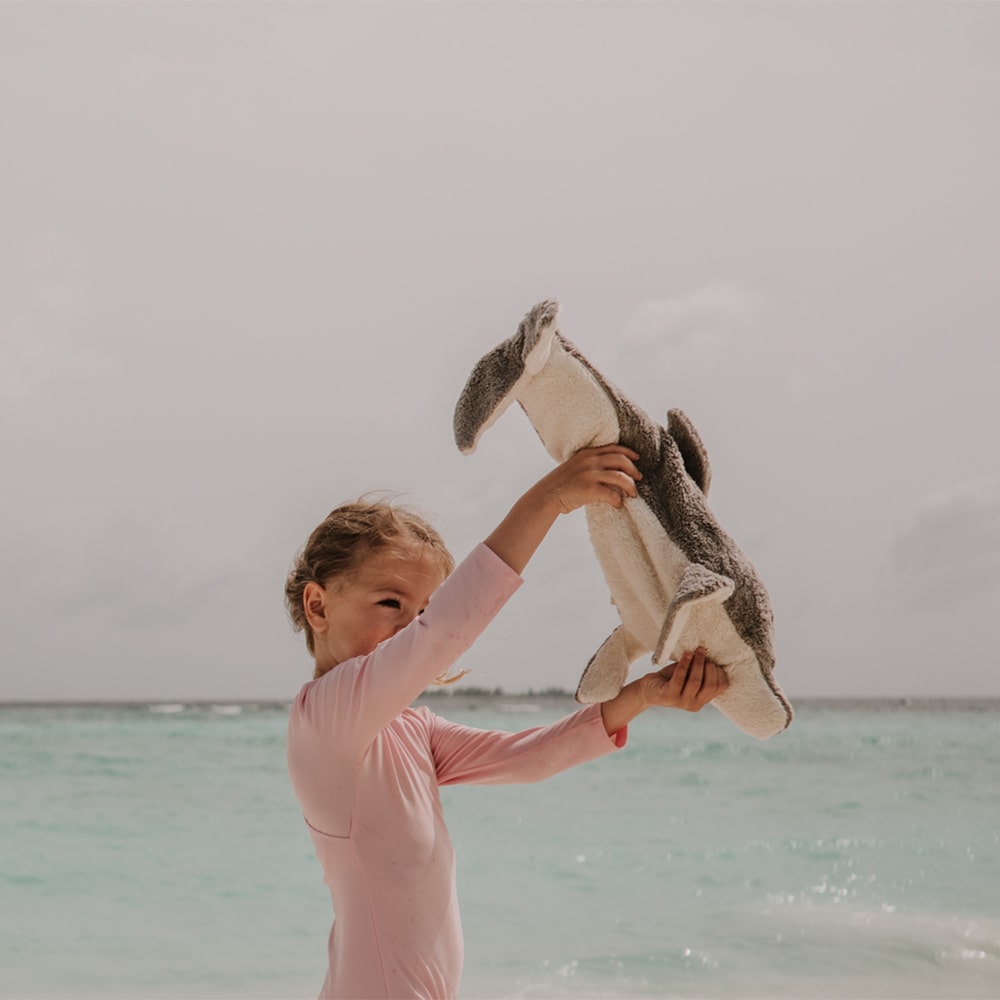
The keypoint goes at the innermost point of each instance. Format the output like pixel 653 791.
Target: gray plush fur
pixel 677 579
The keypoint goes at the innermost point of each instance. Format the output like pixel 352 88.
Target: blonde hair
pixel 344 539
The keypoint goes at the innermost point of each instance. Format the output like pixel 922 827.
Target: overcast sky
pixel 250 253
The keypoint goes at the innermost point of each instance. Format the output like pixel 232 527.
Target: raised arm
pixel 349 705
pixel 592 475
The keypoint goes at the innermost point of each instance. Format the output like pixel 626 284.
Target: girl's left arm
pixel 477 756
pixel 463 755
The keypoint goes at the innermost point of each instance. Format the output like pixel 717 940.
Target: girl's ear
pixel 314 605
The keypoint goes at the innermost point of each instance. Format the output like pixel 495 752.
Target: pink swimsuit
pixel 366 770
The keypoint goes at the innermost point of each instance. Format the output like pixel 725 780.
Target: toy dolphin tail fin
pixel 757 706
pixel 698 586
pixel 692 450
pixel 607 671
pixel 493 384
pixel 487 394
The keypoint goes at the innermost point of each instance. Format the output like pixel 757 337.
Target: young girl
pixel 384 616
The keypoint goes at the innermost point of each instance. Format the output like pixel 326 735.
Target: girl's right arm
pixel 592 475
pixel 350 704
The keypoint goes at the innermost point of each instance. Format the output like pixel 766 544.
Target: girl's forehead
pixel 403 562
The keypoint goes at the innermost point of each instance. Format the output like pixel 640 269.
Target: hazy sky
pixel 249 254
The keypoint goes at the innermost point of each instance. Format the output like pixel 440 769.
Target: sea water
pixel 156 851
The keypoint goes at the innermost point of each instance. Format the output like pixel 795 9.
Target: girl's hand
pixel 592 475
pixel 690 683
pixel 606 474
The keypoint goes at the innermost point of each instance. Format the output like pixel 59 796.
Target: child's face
pixel 384 594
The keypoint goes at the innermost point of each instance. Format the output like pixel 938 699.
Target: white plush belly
pixel 641 564
pixel 567 406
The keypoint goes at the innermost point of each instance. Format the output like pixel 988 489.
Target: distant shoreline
pixel 549 696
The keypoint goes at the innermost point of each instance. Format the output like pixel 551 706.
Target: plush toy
pixel 677 579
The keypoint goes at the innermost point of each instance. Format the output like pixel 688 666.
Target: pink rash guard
pixel 366 769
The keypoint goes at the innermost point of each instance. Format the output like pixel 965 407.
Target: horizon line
pixel 551 693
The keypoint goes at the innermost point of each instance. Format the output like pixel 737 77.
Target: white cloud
pixel 42 336
pixel 705 317
pixel 947 549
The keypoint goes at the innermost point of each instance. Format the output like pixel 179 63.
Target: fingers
pixel 696 675
pixel 696 680
pixel 615 487
pixel 613 467
pixel 679 676
pixel 621 460
pixel 610 449
pixel 610 456
pixel 606 474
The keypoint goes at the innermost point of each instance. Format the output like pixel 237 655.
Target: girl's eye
pixel 390 602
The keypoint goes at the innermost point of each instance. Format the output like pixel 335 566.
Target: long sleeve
pixel 352 703
pixel 479 756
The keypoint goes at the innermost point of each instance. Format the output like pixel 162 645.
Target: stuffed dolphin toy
pixel 677 579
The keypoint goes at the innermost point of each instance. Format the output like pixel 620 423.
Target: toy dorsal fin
pixel 691 448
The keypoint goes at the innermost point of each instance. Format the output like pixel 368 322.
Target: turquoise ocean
pixel 156 851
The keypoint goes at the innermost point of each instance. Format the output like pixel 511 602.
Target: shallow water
pixel 157 851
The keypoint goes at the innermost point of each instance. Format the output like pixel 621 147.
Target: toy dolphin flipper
pixel 607 671
pixel 677 579
pixel 608 668
pixel 697 586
